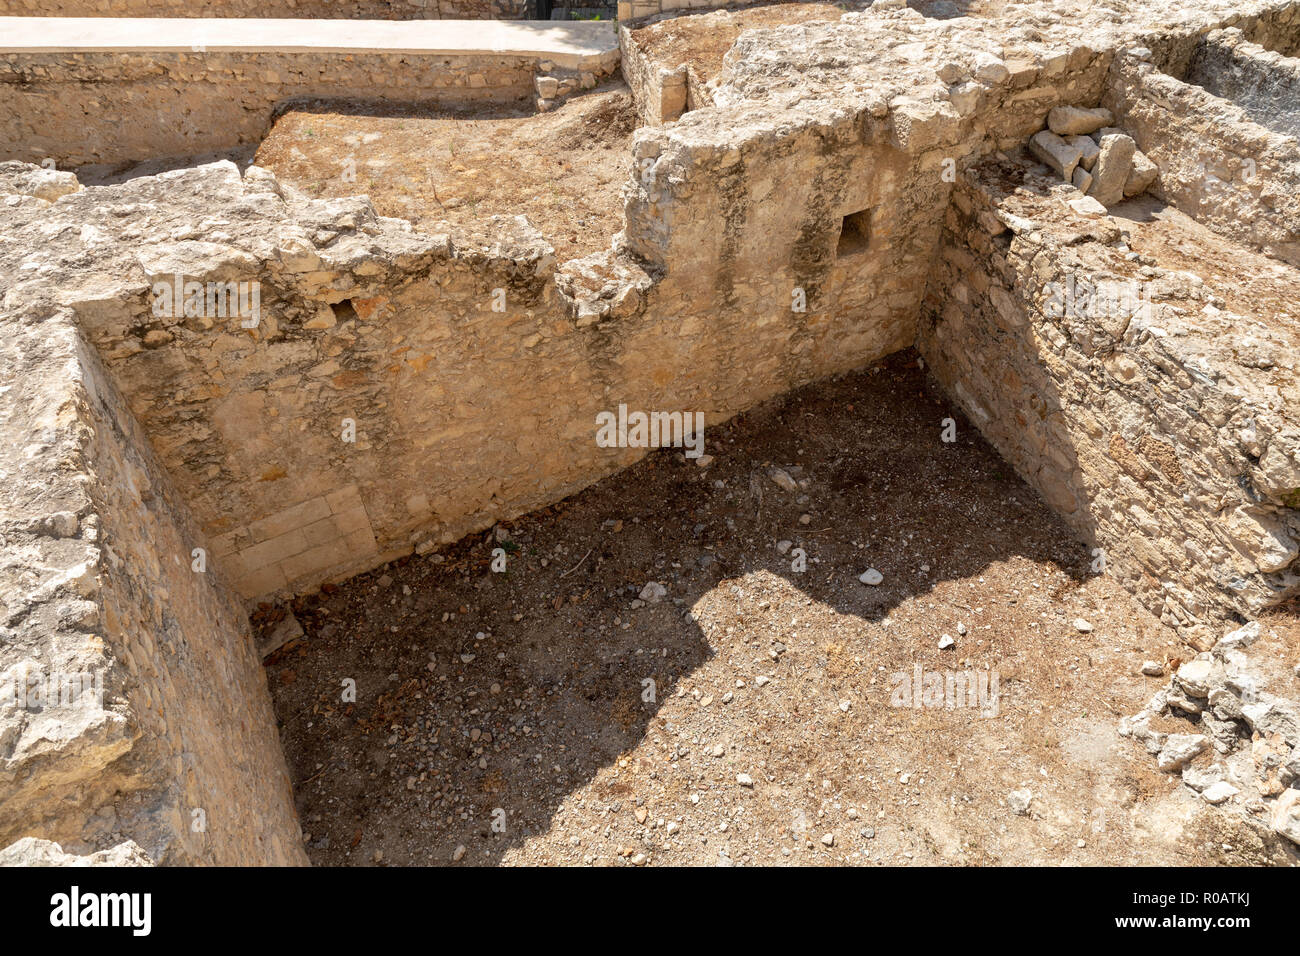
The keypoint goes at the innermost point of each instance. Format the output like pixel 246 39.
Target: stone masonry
pixel 853 189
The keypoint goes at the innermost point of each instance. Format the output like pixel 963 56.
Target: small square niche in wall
pixel 855 234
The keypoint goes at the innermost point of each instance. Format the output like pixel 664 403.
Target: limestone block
pixel 1088 146
pixel 1068 120
pixel 42 183
pixel 1141 176
pixel 1113 165
pixel 1056 153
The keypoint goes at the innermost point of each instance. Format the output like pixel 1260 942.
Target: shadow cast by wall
pixel 535 681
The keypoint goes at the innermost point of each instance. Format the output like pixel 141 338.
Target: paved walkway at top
pixel 573 44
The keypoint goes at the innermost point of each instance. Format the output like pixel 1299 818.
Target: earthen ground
pixel 1249 282
pixel 523 691
pixel 563 169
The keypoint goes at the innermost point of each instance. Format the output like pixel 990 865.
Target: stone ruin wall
pixel 113 107
pixel 466 415
pixel 1151 434
pixel 286 9
pixel 396 331
pixel 1264 83
pixel 97 580
pixel 1225 170
pixel 639 9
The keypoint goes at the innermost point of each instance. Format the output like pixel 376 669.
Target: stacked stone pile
pixel 1101 160
pixel 1254 735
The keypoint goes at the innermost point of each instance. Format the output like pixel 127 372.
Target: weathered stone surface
pixel 1179 749
pixel 1088 147
pixel 1286 815
pixel 1255 730
pixel 1072 120
pixel 1056 153
pixel 26 180
pixel 30 851
pixel 1217 165
pixel 161 725
pixel 1114 163
pixel 1063 284
pixel 1142 176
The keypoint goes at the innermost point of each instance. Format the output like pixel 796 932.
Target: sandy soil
pixel 502 718
pixel 1249 282
pixel 564 169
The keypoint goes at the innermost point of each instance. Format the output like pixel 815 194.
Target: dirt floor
pixel 564 169
pixel 509 718
pixel 1249 282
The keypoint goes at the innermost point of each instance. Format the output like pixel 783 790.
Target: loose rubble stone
pixel 653 592
pixel 1114 162
pixel 1179 749
pixel 1088 149
pixel 1142 176
pixel 1068 120
pixel 1056 153
pixel 1217 793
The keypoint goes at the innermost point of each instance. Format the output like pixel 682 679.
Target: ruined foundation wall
pixel 464 415
pixel 82 108
pixel 180 762
pixel 659 94
pixel 1263 83
pixel 1148 429
pixel 304 9
pixel 1277 29
pixel 637 9
pixel 733 282
pixel 1216 165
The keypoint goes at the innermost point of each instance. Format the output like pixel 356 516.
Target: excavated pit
pixel 857 294
pixel 520 696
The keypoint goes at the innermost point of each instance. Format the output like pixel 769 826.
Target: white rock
pixel 1220 792
pixel 1082 626
pixel 1088 147
pixel 1087 207
pixel 1239 639
pixel 1018 801
pixel 653 592
pixel 1114 163
pixel 1071 120
pixel 1141 176
pixel 1179 749
pixel 946 642
pixel 1056 153
pixel 1286 815
pixel 783 480
pixel 871 576
pixel 745 780
pixel 1194 677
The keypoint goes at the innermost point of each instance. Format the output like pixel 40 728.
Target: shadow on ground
pixel 478 691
